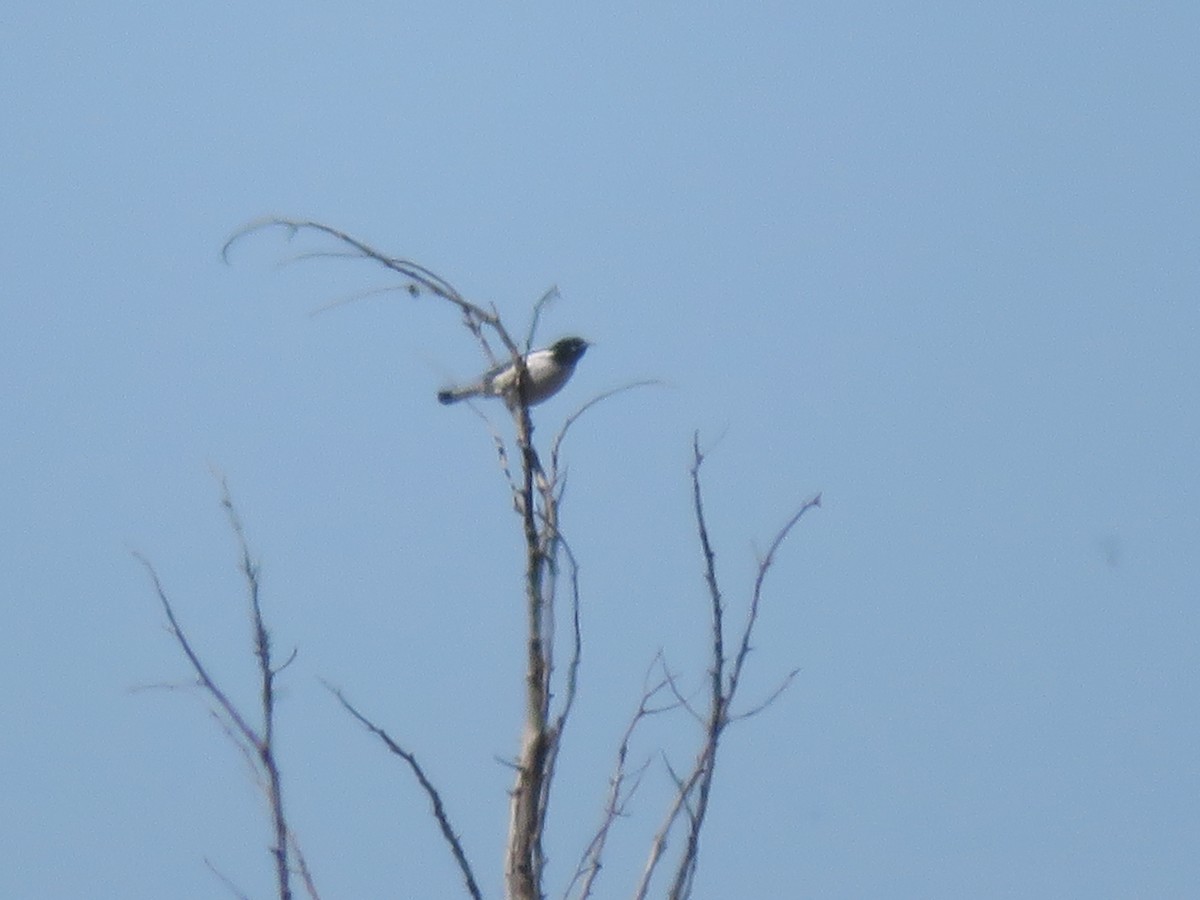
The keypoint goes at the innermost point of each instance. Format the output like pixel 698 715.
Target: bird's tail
pixel 453 395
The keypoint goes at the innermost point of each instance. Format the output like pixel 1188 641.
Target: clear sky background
pixel 938 261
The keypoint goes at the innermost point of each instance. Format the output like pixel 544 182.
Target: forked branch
pixel 693 790
pixel 622 785
pixel 256 743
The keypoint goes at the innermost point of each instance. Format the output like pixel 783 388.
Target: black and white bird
pixel 547 370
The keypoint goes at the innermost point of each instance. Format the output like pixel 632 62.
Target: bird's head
pixel 568 350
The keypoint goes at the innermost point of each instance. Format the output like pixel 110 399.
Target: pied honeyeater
pixel 546 371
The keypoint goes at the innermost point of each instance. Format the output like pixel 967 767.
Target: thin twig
pixel 771 698
pixel 358 295
pixel 717 669
pixel 618 796
pixel 572 680
pixel 302 867
pixel 226 880
pixel 658 844
pixel 435 798
pixel 198 667
pixel 759 578
pixel 543 301
pixel 501 453
pixel 414 271
pixel 573 417
pixel 576 642
pixel 682 700
pixel 266 746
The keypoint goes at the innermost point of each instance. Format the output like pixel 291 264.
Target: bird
pixel 546 371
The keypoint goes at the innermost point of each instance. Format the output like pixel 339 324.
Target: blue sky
pixel 938 262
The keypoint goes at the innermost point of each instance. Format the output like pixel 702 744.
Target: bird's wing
pixel 502 378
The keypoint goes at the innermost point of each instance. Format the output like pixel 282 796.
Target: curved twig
pixel 435 798
pixel 424 277
pixel 574 417
pixel 543 301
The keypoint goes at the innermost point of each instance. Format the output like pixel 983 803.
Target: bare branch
pixel 771 698
pixel 694 789
pixel 572 681
pixel 543 301
pixel 162 686
pixel 287 662
pixel 223 702
pixel 619 795
pixel 501 452
pixel 318 254
pixel 248 752
pixel 302 867
pixel 435 798
pixel 680 699
pixel 266 746
pixel 573 417
pixel 507 763
pixel 759 579
pixel 420 279
pixel 225 880
pixel 701 776
pixel 717 671
pixel 577 640
pixel 257 746
pixel 415 272
pixel 359 295
pixel 525 859
pixel 658 845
